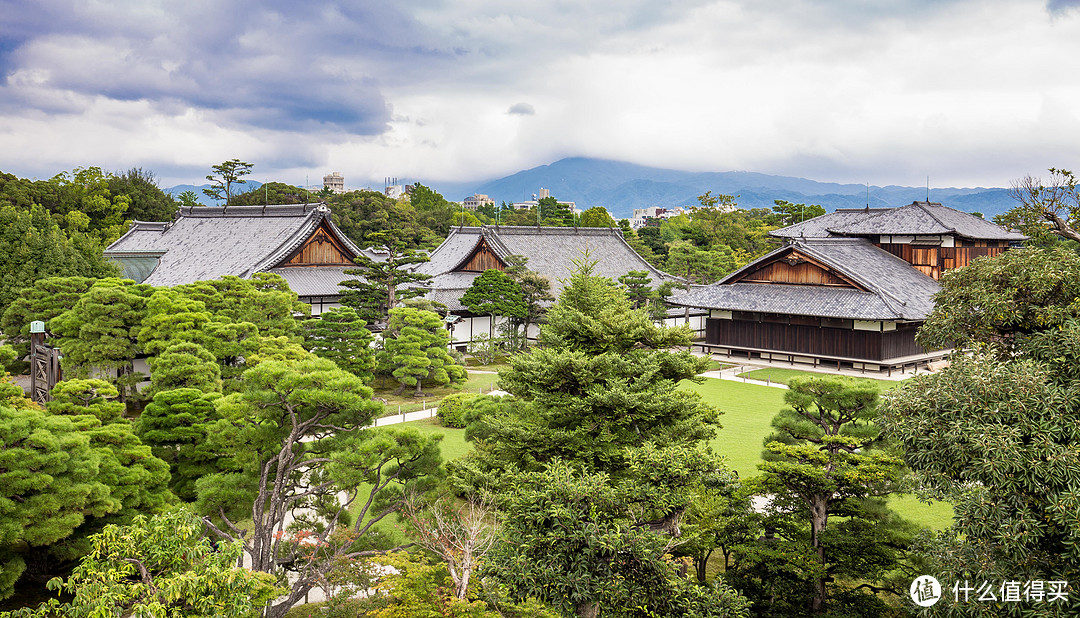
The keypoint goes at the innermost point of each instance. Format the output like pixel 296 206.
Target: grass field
pixel 783 376
pixel 748 412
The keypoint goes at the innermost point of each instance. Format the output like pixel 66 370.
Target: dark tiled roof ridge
pixel 269 210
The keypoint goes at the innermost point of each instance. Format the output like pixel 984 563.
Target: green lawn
pixel 748 412
pixel 782 376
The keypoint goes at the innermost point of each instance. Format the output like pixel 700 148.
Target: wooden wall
pixel 483 259
pixel 932 261
pixel 802 272
pixel 813 340
pixel 321 249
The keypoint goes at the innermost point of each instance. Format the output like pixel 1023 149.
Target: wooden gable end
pixel 482 258
pixel 322 248
pixel 796 269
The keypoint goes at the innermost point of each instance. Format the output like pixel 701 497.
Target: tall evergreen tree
pixel 381 285
pixel 495 294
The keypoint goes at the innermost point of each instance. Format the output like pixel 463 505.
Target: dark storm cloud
pixel 275 65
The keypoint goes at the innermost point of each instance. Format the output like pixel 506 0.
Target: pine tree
pixel 339 335
pixel 414 348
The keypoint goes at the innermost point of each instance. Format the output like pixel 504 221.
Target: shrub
pixel 452 409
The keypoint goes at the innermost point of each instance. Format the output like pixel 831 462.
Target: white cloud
pixel 969 92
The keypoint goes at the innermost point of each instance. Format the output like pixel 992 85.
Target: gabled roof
pixel 890 288
pixel 211 242
pixel 915 219
pixel 818 227
pixel 550 252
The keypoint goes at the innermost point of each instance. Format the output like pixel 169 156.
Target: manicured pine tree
pixel 414 348
pixel 495 294
pixel 339 335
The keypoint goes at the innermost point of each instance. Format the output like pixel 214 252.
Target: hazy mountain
pixel 622 187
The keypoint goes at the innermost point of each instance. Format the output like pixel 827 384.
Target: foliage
pixel 158 567
pixel 292 439
pixel 597 216
pixel 99 331
pixel 821 456
pixel 485 348
pixel 146 200
pixel 419 589
pixel 996 300
pixel 49 484
pixel 414 349
pixel 1047 209
pixel 452 409
pixel 720 517
pixel 273 193
pixel 571 539
pixel 460 534
pixel 137 481
pixel 43 300
pixel 224 176
pixel 495 294
pixel 1000 438
pixel 184 365
pixel 36 248
pixel 339 335
pixel 381 284
pixel 175 425
pixel 535 290
pixel 786 213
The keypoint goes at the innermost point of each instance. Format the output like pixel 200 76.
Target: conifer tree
pixel 414 348
pixel 339 335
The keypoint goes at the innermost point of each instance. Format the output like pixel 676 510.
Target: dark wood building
pixel 850 287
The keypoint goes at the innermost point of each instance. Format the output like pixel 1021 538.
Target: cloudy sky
pixel 969 92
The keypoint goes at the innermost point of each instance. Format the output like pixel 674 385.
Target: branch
pixel 143 573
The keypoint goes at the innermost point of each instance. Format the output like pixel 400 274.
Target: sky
pixel 965 92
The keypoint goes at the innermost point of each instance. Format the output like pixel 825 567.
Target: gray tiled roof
pixel 210 242
pixel 314 280
pixel 917 219
pixel 550 251
pixel 894 289
pixel 818 227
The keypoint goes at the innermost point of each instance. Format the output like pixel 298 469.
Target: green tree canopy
pixel 175 426
pixel 339 335
pixel 224 176
pixel 381 284
pixel 414 350
pixel 160 566
pixel 292 439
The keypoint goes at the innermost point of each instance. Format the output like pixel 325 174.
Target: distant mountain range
pixel 621 187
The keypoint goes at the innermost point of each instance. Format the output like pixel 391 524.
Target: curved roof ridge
pixel 924 206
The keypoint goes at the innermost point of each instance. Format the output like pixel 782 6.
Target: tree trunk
pixel 588 609
pixel 418 393
pixel 819 518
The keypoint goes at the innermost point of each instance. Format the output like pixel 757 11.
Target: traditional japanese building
pixel 551 251
pixel 850 287
pixel 298 242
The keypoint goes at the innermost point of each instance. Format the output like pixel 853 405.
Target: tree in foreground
pixel 291 445
pixel 414 350
pixel 175 426
pixel 572 539
pixel 596 400
pixel 48 486
pixel 159 566
pixel 380 285
pixel 1047 208
pixel 823 461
